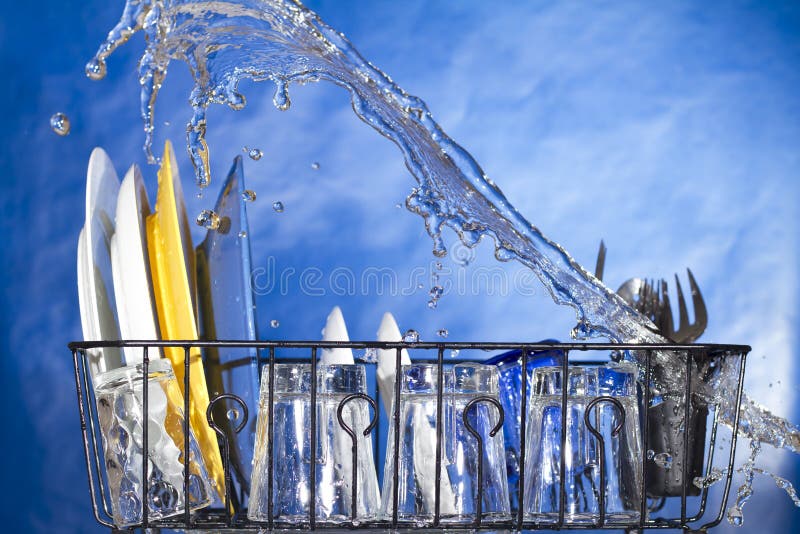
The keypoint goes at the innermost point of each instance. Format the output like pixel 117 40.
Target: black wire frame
pixel 233 518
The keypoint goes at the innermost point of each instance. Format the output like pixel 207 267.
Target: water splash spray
pixel 225 42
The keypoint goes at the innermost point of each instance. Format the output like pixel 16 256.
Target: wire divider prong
pixel 354 450
pixel 601 445
pixel 492 433
pixel 437 490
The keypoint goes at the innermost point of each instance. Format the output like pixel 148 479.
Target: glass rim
pixel 157 368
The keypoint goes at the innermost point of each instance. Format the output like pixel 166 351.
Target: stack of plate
pixel 137 281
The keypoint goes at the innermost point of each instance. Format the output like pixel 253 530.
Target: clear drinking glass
pixel 470 388
pixel 596 389
pixel 509 369
pixel 291 490
pixel 119 396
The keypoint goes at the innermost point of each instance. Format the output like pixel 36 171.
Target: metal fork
pixel 651 299
pixel 687 332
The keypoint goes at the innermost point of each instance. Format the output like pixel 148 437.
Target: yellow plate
pixel 169 245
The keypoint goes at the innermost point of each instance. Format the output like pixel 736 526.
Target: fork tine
pixel 648 299
pixel 700 314
pixel 667 326
pixel 640 302
pixel 601 261
pixel 684 314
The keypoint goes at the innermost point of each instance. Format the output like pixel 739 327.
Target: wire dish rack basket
pixel 690 508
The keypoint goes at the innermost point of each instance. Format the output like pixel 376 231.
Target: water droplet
pixel 166 123
pixel 735 516
pixel 255 154
pixel 315 165
pixel 199 194
pixel 242 234
pixel 281 99
pixel 274 323
pixel 411 336
pixel 232 414
pixel 651 454
pixel 442 332
pixel 663 460
pixel 95 69
pixel 435 293
pixel 420 286
pixel 60 124
pixel 277 206
pixel 454 353
pixel 370 355
pixel 248 195
pixel 208 219
pixel 398 206
pixel 438 266
pixel 504 254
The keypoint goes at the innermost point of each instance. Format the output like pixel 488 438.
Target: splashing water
pixel 745 491
pixel 714 475
pixel 287 43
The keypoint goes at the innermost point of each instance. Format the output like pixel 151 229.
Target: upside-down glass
pixel 509 370
pixel 470 388
pixel 291 489
pixel 606 393
pixel 119 396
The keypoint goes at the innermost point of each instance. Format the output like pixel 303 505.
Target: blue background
pixel 670 130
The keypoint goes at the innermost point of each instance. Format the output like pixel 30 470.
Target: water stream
pixel 281 41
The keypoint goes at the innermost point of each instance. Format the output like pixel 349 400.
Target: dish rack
pixel 695 509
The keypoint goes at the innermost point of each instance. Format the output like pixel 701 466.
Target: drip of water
pixel 274 323
pixel 59 123
pixel 435 294
pixel 411 336
pixel 782 483
pixel 745 491
pixel 248 195
pixel 277 206
pixel 254 153
pixel 287 43
pixel 208 219
pixel 442 332
pixel 370 355
pixel 663 460
pixel 714 475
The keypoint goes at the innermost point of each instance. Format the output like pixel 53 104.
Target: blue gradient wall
pixel 671 131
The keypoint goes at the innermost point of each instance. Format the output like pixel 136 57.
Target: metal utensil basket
pixel 696 509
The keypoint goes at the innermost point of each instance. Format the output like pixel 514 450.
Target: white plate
pixel 130 265
pixel 96 298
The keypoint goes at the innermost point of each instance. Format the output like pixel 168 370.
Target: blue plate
pixel 228 312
